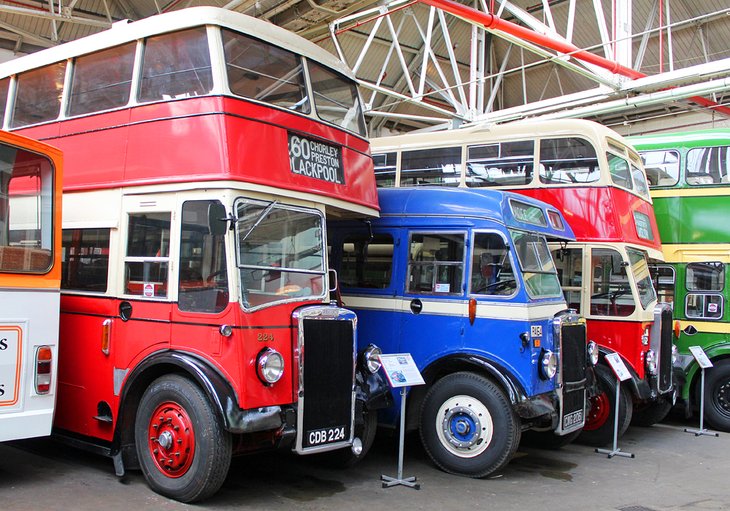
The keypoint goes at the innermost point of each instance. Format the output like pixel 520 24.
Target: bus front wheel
pixel 600 420
pixel 717 397
pixel 468 426
pixel 183 450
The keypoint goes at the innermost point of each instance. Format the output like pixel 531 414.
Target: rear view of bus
pixel 30 241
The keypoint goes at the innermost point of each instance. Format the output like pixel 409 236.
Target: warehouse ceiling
pixel 635 65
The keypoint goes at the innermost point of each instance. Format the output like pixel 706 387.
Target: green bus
pixel 689 178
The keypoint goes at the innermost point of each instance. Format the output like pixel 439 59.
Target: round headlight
pixel 548 364
pixel 650 360
pixel 270 366
pixel 370 358
pixel 592 353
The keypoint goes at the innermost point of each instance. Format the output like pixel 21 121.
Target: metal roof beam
pixel 34 13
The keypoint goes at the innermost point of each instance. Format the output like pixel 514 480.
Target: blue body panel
pixel 502 333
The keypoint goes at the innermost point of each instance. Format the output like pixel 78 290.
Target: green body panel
pixel 693 219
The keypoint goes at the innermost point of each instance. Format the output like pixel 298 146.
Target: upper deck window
pixel 708 166
pixel 38 96
pixel 26 224
pixel 433 166
pixel 500 164
pixel 176 65
pixel 662 167
pixel 102 80
pixel 385 168
pixel 568 161
pixel 336 99
pixel 620 172
pixel 263 72
pixel 640 181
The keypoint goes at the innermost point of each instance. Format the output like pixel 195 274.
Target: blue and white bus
pixel 464 281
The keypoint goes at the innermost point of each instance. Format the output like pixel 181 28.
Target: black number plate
pixel 324 436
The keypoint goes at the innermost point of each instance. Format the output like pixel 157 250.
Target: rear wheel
pixel 468 426
pixel 717 396
pixel 599 427
pixel 183 450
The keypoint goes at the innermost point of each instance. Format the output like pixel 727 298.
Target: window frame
pixel 464 254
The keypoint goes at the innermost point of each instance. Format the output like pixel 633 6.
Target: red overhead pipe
pixel 493 22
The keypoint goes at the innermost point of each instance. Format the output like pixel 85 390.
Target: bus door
pixel 434 308
pixel 143 322
pixel 202 275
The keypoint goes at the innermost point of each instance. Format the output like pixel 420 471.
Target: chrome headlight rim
pixel 650 359
pixel 548 364
pixel 270 366
pixel 593 353
pixel 370 359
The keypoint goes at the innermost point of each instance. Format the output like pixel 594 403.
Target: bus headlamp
pixel 650 361
pixel 548 364
pixel 270 366
pixel 592 349
pixel 370 358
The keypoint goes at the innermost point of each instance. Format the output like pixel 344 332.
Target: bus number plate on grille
pixel 325 436
pixel 572 419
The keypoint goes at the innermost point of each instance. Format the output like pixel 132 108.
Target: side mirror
pixel 217 221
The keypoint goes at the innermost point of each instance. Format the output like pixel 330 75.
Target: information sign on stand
pixel 622 374
pixel 401 372
pixel 704 362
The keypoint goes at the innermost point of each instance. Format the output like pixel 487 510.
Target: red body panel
pixel 158 326
pixel 224 139
pixel 623 337
pixel 600 214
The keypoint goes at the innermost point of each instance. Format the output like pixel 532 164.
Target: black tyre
pixel 468 426
pixel 717 396
pixel 652 413
pixel 343 458
pixel 183 450
pixel 599 426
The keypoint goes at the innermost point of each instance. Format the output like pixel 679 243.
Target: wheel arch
pixel 487 368
pixel 214 385
pixel 639 388
pixel 718 353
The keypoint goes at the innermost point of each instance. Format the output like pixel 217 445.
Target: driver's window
pixel 203 279
pixel 491 267
pixel 569 263
pixel 610 288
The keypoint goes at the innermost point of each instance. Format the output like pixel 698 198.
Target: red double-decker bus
pixel 204 150
pixel 597 181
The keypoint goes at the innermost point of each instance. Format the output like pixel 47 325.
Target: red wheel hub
pixel 171 439
pixel 598 413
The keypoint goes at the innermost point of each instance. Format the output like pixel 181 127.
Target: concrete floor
pixel 672 471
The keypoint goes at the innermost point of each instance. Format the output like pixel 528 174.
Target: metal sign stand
pixel 401 371
pixel 622 373
pixel 408 481
pixel 616 451
pixel 704 362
